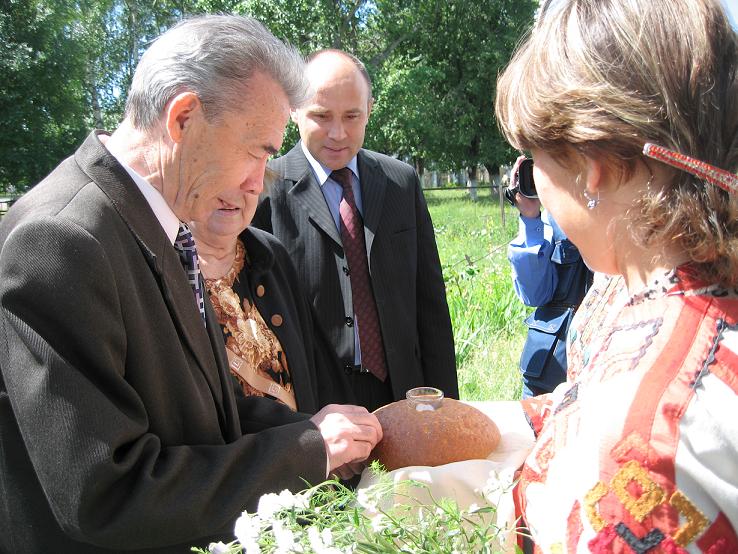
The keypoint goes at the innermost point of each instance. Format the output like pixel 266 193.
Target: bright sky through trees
pixel 732 8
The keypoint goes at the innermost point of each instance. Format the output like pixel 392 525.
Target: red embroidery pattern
pixel 635 362
pixel 638 338
pixel 574 528
pixel 719 538
pixel 632 447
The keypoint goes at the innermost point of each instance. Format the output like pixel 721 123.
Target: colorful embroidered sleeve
pixel 638 455
pixel 706 461
pixel 538 408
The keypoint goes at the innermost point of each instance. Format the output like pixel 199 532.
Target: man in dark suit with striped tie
pixel 359 231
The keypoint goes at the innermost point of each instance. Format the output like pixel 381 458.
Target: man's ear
pixel 293 116
pixel 180 113
pixel 369 106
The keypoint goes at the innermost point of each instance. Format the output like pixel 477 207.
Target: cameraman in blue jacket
pixel 548 274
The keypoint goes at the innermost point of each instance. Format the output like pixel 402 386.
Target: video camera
pixel 522 182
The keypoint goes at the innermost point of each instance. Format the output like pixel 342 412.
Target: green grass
pixel 487 316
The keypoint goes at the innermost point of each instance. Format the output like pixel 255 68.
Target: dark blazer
pixel 403 263
pixel 119 426
pixel 317 378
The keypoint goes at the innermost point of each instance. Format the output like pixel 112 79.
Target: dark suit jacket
pixel 119 426
pixel 317 378
pixel 403 263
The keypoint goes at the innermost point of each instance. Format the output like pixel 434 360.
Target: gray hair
pixel 213 56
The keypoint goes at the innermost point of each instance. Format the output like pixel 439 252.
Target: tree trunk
pixel 97 118
pixel 419 166
pixel 133 40
pixel 471 183
pixel 492 171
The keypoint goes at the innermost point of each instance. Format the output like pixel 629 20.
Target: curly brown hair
pixel 603 77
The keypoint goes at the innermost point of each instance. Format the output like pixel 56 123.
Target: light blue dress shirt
pixel 333 192
pixel 534 274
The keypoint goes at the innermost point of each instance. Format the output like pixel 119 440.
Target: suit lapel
pixel 373 185
pixel 307 194
pixel 160 255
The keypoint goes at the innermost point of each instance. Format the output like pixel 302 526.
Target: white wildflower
pixel 327 536
pixel 379 523
pixel 218 548
pixel 474 507
pixel 270 504
pixel 316 541
pixel 285 538
pixel 492 489
pixel 251 547
pixel 247 532
pixel 301 501
pixel 305 496
pixel 321 541
pixel 367 499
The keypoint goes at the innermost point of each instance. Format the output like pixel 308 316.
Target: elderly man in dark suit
pixel 359 231
pixel 119 426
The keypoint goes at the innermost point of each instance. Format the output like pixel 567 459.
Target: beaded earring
pixel 591 202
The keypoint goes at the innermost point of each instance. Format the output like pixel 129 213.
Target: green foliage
pixel 310 24
pixel 333 519
pixel 437 101
pixel 43 105
pixel 486 315
pixel 115 34
pixel 66 67
pixel 400 119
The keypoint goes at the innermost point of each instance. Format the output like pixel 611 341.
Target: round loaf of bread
pixel 416 433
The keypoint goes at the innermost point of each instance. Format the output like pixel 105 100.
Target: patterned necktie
pixel 184 244
pixel 365 307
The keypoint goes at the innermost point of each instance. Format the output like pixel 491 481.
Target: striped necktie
pixel 184 244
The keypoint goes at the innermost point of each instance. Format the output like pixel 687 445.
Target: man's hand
pixel 349 433
pixel 529 207
pixel 347 471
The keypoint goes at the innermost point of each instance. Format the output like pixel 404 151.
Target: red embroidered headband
pixel 714 175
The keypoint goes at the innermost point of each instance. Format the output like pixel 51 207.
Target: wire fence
pixel 497 191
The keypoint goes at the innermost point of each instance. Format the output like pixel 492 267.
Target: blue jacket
pixel 549 274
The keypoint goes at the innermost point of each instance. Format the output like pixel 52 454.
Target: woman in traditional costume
pixel 630 111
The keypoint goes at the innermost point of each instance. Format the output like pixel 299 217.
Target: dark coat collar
pixel 373 185
pixel 102 168
pixel 110 176
pixel 258 251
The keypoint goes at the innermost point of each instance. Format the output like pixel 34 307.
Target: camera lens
pixel 525 179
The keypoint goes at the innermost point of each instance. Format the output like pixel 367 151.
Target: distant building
pixel 5 203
